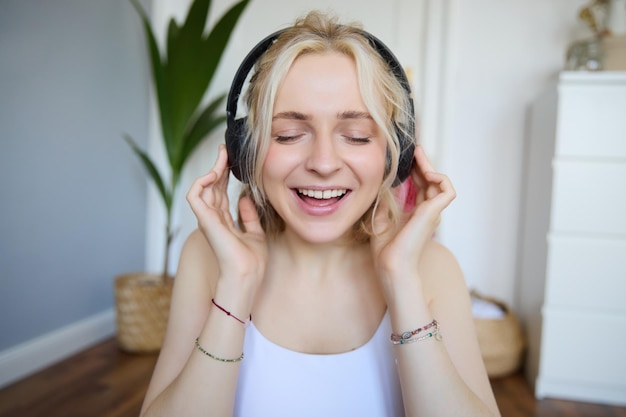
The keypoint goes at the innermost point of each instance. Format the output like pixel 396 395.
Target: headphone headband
pixel 236 128
pixel 242 73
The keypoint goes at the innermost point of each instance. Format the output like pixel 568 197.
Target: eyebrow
pixel 353 115
pixel 291 115
pixel 346 115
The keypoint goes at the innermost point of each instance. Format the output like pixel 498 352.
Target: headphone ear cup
pixel 235 136
pixel 404 165
pixel 407 151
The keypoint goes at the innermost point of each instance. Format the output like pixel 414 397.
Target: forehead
pixel 318 81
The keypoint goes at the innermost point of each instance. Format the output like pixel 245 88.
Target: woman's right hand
pixel 241 255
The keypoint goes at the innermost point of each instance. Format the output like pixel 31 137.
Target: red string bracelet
pixel 228 313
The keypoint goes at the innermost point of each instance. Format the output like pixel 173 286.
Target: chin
pixel 320 235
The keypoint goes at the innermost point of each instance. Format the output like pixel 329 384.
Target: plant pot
pixel 142 305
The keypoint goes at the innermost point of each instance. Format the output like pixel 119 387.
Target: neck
pixel 318 262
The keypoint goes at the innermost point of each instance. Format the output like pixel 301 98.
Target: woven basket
pixel 142 309
pixel 501 341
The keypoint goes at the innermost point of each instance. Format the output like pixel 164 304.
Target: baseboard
pixel 26 358
pixel 585 392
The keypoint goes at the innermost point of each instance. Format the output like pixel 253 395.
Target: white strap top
pixel 275 381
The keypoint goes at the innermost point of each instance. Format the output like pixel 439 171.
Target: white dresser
pixel 572 292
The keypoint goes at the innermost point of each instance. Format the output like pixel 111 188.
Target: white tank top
pixel 276 382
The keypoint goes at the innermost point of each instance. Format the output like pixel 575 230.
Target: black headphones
pixel 236 128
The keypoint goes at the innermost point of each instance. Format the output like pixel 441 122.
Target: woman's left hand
pixel 397 249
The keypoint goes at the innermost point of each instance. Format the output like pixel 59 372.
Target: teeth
pixel 322 195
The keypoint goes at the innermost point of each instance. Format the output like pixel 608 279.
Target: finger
pixel 421 185
pixel 221 170
pixel 427 177
pixel 432 191
pixel 209 179
pixel 210 220
pixel 420 167
pixel 418 176
pixel 441 191
pixel 226 214
pixel 204 197
pixel 217 195
pixel 197 190
pixel 422 160
pixel 224 181
pixel 221 162
pixel 381 222
pixel 250 217
pixel 222 199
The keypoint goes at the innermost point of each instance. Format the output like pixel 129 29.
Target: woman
pixel 340 300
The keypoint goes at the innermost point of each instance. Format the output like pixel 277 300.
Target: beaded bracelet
pixel 201 349
pixel 410 334
pixel 245 323
pixel 434 333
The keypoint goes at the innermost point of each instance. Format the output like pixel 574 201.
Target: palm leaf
pixel 215 44
pixel 191 69
pixel 173 33
pixel 158 75
pixel 181 78
pixel 152 170
pixel 196 18
pixel 186 78
pixel 209 119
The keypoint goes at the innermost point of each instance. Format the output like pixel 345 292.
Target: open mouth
pixel 322 194
pixel 321 197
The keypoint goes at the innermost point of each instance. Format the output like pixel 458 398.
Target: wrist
pixel 236 299
pixel 407 304
pixel 397 284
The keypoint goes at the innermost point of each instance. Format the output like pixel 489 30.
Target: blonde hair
pixel 384 96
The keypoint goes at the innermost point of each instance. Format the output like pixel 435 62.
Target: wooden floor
pixel 105 382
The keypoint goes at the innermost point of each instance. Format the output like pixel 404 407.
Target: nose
pixel 324 156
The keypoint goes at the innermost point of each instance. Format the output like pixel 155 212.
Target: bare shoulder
pixel 440 271
pixel 444 284
pixel 194 285
pixel 197 260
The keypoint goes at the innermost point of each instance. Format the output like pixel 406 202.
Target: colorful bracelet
pixel 201 349
pixel 434 333
pixel 245 323
pixel 408 335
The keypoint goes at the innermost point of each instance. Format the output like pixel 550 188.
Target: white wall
pixel 477 65
pixel 501 55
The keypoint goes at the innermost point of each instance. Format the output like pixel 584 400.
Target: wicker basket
pixel 501 340
pixel 142 309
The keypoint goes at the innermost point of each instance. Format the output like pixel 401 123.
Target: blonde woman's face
pixel 326 159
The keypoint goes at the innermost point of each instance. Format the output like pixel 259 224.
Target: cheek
pixel 278 163
pixel 371 165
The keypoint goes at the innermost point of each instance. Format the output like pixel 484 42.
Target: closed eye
pixel 357 140
pixel 284 139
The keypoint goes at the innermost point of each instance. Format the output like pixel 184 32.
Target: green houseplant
pixel 181 75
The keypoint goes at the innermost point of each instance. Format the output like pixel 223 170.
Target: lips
pixel 321 202
pixel 322 194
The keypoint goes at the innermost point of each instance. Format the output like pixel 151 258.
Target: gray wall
pixel 73 77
